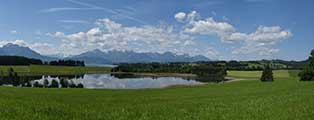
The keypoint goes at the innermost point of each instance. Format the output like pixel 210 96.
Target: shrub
pixel 267 75
pixel 307 74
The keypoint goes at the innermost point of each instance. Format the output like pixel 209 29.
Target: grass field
pixel 52 70
pixel 286 98
pixel 257 74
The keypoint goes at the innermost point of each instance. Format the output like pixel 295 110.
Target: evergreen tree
pixel 308 71
pixel 267 75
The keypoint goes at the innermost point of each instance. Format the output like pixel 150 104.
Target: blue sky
pixel 218 29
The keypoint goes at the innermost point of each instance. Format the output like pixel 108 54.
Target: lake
pixel 116 81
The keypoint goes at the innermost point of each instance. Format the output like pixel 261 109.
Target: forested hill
pixel 18 60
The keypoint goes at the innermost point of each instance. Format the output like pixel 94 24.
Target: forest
pixel 19 60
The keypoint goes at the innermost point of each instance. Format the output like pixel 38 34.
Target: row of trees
pixel 206 70
pixel 261 65
pixel 307 74
pixel 66 63
pixel 17 60
pixel 154 67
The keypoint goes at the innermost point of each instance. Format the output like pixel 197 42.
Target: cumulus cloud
pixel 261 41
pixel 210 27
pixel 110 35
pixel 180 16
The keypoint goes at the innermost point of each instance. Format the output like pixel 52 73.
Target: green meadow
pixel 250 99
pixel 53 70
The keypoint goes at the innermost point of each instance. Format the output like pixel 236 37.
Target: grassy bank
pixel 286 98
pixel 53 70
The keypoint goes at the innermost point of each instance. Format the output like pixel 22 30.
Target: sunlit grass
pixel 285 98
pixel 52 70
pixel 257 74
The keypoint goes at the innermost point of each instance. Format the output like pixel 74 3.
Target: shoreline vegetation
pixel 72 70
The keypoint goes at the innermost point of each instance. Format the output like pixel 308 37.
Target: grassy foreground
pixel 53 70
pixel 286 98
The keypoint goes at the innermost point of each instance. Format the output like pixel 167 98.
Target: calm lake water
pixel 120 81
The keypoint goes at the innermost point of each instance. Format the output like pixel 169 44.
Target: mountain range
pixel 17 50
pixel 99 57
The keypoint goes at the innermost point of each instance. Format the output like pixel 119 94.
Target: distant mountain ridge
pixel 99 57
pixel 11 49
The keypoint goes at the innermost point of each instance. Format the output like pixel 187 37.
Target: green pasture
pixel 52 70
pixel 284 99
pixel 257 74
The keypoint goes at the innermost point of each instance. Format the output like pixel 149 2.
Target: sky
pixel 217 29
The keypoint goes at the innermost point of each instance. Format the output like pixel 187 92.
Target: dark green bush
pixel 307 74
pixel 267 75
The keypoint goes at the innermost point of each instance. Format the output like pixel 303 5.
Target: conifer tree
pixel 267 75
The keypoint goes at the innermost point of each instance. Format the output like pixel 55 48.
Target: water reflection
pixel 109 81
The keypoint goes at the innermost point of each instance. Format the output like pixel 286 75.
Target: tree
pixel 54 84
pixel 267 75
pixel 307 73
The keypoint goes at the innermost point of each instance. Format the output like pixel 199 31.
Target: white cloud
pixel 13 32
pixel 193 16
pixel 180 16
pixel 109 35
pixel 209 27
pixel 56 34
pixel 42 48
pixel 260 42
pixel 88 6
pixel 255 49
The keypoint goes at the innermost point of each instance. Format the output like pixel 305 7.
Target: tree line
pixel 66 63
pixel 19 60
pixel 205 71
